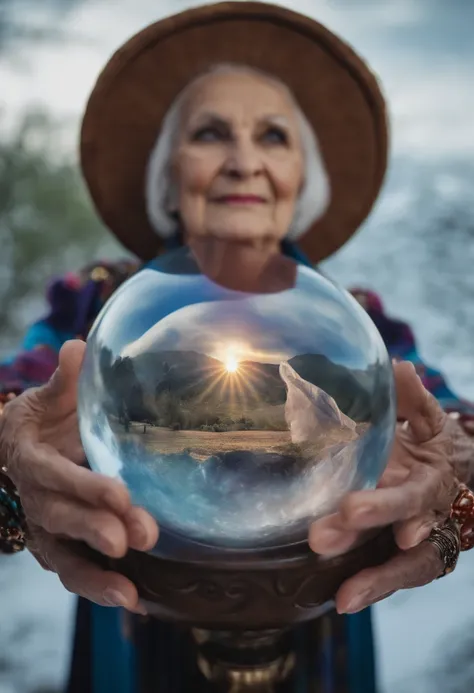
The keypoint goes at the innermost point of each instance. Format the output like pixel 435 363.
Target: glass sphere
pixel 235 418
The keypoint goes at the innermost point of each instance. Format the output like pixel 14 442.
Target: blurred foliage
pixel 47 223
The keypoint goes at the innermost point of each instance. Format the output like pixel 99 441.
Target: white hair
pixel 315 193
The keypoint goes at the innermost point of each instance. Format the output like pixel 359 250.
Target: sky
pixel 421 50
pixel 191 313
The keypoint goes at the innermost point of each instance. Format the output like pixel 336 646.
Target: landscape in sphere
pixel 235 418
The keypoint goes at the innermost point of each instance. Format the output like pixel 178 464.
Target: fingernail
pixel 358 603
pixel 365 599
pixel 327 544
pixel 328 537
pixel 139 533
pixel 362 510
pixel 139 609
pixel 114 598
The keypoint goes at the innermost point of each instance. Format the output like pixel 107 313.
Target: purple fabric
pixel 397 336
pixel 62 296
pixel 28 369
pixel 74 301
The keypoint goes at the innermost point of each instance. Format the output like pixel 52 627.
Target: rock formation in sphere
pixel 312 415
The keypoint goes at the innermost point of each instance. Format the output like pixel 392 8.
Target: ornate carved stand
pixel 241 605
pixel 252 661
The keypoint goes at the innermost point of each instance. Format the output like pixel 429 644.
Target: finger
pixel 33 543
pixel 416 405
pixel 140 609
pixel 86 579
pixel 43 467
pixel 427 488
pixel 412 532
pixel 63 383
pixel 58 515
pixel 142 529
pixel 330 537
pixel 408 569
pixel 393 476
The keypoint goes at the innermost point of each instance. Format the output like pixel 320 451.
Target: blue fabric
pixel 435 383
pixel 113 659
pixel 42 334
pixel 361 665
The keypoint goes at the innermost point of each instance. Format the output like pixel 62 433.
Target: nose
pixel 244 160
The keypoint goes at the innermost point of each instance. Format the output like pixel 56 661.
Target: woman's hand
pixel 41 449
pixel 415 493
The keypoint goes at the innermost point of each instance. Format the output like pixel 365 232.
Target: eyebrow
pixel 210 116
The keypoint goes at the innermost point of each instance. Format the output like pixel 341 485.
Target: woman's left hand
pixel 415 493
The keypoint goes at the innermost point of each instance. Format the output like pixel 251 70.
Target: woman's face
pixel 238 165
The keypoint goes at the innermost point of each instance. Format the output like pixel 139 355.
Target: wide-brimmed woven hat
pixel 336 90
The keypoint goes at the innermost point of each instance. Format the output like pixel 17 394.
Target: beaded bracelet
pixel 12 517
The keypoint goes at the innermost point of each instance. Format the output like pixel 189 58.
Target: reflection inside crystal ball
pixel 235 418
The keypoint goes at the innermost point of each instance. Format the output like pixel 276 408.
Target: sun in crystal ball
pixel 235 418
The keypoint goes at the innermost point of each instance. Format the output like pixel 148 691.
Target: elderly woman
pixel 232 144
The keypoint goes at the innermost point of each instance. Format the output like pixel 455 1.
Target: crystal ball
pixel 235 418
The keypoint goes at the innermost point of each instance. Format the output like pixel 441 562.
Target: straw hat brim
pixel 334 87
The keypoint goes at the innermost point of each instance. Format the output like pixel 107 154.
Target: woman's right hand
pixel 41 449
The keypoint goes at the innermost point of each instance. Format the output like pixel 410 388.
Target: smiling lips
pixel 240 200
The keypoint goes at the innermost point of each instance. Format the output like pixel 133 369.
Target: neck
pixel 241 266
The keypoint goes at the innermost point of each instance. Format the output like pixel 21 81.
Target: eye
pixel 275 135
pixel 209 133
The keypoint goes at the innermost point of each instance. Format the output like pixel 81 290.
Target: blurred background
pixel 416 250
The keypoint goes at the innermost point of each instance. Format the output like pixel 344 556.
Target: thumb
pixel 64 380
pixel 416 405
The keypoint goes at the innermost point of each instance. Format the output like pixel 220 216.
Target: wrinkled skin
pixel 429 457
pixel 239 136
pixel 40 445
pixel 41 448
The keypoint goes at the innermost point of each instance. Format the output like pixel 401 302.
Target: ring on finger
pixel 447 539
pixel 462 512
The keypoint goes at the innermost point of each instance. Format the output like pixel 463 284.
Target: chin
pixel 242 234
pixel 242 230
